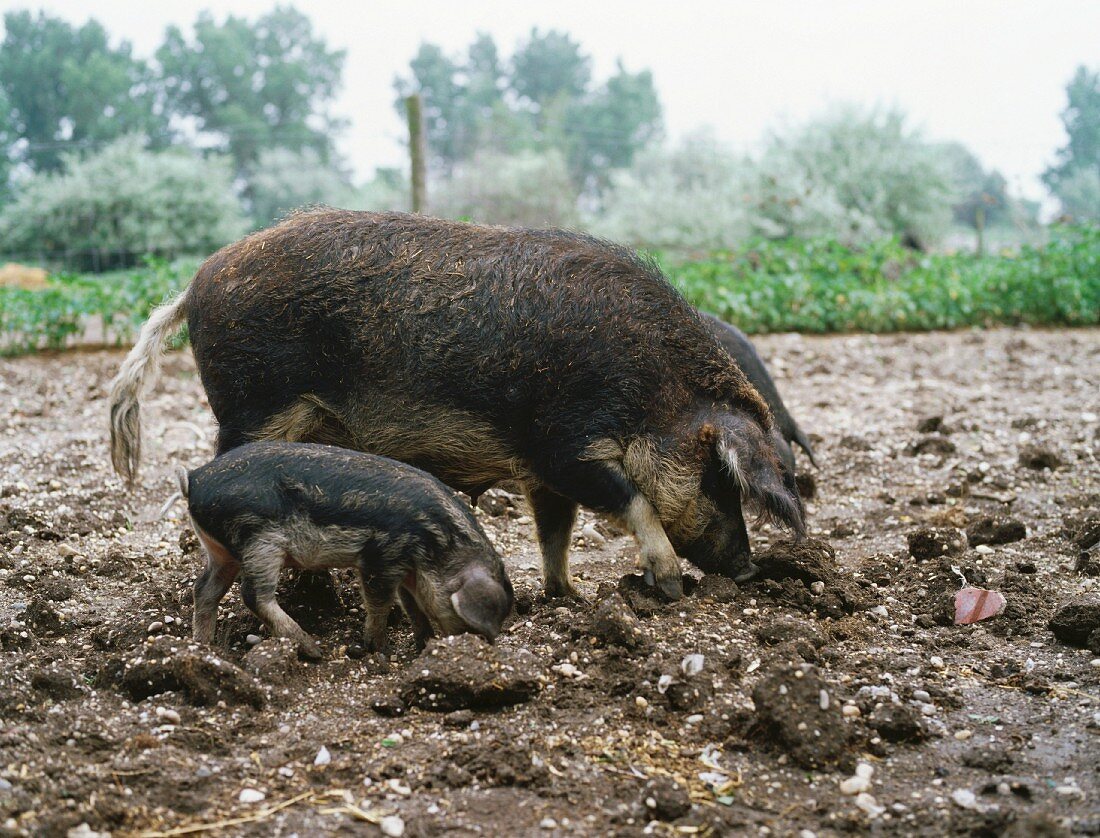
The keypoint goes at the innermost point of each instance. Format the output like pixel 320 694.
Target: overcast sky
pixel 990 74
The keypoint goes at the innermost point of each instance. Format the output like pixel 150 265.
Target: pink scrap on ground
pixel 974 604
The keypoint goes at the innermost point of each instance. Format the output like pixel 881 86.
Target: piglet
pixel 265 505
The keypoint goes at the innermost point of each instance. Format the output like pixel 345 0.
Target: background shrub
pixel 113 207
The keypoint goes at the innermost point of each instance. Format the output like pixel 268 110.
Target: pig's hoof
pixel 309 650
pixel 671 586
pixel 563 590
pixel 377 647
pixel 746 574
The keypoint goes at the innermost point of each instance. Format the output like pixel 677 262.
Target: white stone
pixel 323 757
pixel 964 798
pixel 865 770
pixel 854 785
pixel 692 665
pixel 869 805
pixel 251 796
pixel 393 826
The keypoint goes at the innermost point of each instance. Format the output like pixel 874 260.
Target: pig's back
pixel 262 485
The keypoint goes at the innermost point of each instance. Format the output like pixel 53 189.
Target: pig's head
pixel 738 469
pixel 475 595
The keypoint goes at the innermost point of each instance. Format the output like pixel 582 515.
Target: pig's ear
pixel 481 602
pixel 747 455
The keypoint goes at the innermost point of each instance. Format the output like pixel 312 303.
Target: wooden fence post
pixel 417 153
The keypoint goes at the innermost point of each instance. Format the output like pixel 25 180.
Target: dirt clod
pixel 995 529
pixel 167 664
pixel 666 799
pixel 1040 457
pixel 272 660
pixel 933 542
pixel 798 709
pixel 614 623
pixel 1074 621
pixel 464 671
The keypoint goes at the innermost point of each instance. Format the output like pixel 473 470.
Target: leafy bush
pixel 528 189
pixel 118 302
pixel 853 175
pixel 825 286
pixel 283 180
pixel 112 208
pixel 695 196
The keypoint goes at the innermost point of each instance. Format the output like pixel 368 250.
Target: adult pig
pixel 481 354
pixel 741 349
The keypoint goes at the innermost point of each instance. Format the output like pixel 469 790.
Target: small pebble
pixel 641 702
pixel 937 662
pixel 823 700
pixel 854 785
pixel 548 823
pixel 155 626
pixel 694 718
pixel 869 805
pixel 851 711
pixel 963 735
pixel 169 715
pixel 252 639
pixel 922 696
pixel 393 826
pixel 865 770
pixel 323 757
pixel 692 665
pixel 251 796
pixel 817 589
pixel 964 798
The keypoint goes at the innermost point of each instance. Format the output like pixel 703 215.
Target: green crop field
pixel 797 285
pixel 823 286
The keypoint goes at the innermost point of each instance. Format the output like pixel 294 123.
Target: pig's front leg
pixel 378 592
pixel 422 626
pixel 600 484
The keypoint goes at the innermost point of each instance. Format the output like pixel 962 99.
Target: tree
pixel 980 196
pixel 528 189
pixel 284 180
pixel 549 67
pixel 854 175
pixel 695 196
pixel 115 205
pixel 542 100
pixel 67 87
pixel 254 86
pixel 611 124
pixel 1070 176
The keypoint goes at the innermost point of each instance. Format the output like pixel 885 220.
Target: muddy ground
pixel 832 696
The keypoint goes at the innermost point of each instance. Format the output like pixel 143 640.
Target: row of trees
pixel 230 125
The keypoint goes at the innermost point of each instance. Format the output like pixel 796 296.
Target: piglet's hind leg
pixel 260 565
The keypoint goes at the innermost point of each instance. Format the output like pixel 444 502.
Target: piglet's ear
pixel 481 602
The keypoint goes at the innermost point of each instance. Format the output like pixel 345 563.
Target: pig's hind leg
pixel 260 564
pixel 211 586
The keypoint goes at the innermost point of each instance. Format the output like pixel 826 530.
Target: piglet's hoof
pixel 563 591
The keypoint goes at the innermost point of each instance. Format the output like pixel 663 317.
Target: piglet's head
pixel 481 600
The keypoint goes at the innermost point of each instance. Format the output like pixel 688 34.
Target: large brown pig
pixel 483 354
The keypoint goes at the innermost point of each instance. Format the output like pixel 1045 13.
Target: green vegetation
pixel 823 286
pixel 808 286
pixel 74 304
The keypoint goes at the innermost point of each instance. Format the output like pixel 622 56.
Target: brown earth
pixel 633 714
